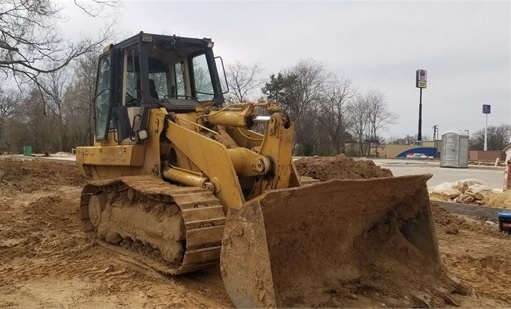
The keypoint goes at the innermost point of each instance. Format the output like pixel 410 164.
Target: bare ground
pixel 47 262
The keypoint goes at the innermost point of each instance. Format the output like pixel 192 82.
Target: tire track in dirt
pixel 47 261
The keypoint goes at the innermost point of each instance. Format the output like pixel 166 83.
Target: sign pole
pixel 421 81
pixel 419 134
pixel 486 111
pixel 486 134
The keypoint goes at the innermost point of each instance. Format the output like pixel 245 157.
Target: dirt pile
pixel 31 175
pixel 484 263
pixel 339 167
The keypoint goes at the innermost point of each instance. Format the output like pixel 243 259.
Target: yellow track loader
pixel 180 181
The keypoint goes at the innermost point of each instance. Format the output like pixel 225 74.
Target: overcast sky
pixel 464 45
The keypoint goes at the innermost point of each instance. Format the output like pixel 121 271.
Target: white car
pixel 417 156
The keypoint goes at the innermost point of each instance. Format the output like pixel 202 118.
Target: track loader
pixel 180 181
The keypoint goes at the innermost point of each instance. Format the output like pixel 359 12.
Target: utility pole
pixel 421 81
pixel 435 138
pixel 435 132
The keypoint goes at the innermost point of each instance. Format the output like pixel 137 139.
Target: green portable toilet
pixel 27 150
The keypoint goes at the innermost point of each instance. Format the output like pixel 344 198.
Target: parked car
pixel 418 156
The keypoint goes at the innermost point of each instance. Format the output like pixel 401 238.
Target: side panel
pixel 108 160
pixel 122 155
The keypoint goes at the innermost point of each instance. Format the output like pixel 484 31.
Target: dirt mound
pixel 484 263
pixel 37 174
pixel 339 167
pixel 449 223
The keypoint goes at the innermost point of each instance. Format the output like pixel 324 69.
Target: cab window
pixel 202 79
pixel 160 84
pixel 132 93
pixel 102 98
pixel 180 90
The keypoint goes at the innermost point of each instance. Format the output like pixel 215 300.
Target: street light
pixel 435 138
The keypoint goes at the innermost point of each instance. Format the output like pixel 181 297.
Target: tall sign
pixel 486 111
pixel 421 79
pixel 421 82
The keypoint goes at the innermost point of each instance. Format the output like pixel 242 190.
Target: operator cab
pixel 147 71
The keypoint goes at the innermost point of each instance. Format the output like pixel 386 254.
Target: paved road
pixel 489 175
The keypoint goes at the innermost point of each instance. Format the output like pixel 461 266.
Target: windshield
pixel 173 73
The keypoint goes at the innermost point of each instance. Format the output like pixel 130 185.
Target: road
pixel 489 175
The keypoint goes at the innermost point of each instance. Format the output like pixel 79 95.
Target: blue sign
pixel 486 109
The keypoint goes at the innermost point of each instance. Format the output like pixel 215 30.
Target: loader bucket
pixel 353 243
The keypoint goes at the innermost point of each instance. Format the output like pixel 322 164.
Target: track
pixel 169 228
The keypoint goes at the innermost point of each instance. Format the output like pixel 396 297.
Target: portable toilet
pixel 454 149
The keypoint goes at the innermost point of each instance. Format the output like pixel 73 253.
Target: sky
pixel 465 46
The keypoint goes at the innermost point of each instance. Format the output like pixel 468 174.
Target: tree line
pixel 57 119
pixel 47 100
pixel 331 115
pixel 51 108
pixel 497 138
pixel 328 112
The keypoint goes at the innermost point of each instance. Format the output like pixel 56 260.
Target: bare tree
pixel 55 85
pixel 95 8
pixel 78 107
pixel 379 116
pixel 30 124
pixel 242 79
pixel 370 115
pixel 498 137
pixel 30 42
pixel 62 123
pixel 333 112
pixel 303 90
pixel 359 113
pixel 8 101
pixel 326 110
